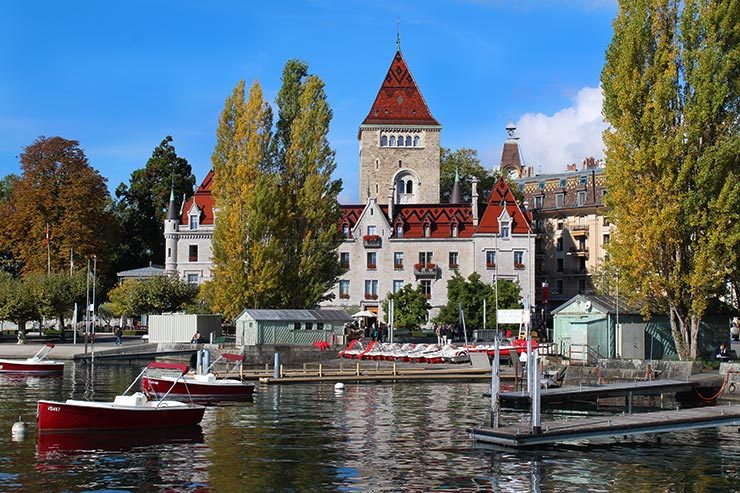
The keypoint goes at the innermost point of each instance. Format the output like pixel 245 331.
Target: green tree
pixel 141 205
pixel 464 161
pixel 671 99
pixel 469 294
pixel 150 296
pixel 58 292
pixel 59 189
pixel 20 302
pixel 309 201
pixel 410 307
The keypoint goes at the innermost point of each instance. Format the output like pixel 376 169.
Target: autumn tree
pixel 241 272
pixel 671 84
pixel 141 205
pixel 8 261
pixel 58 189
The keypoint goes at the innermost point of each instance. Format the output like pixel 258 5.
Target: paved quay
pixel 63 350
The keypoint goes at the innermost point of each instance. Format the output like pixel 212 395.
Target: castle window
pixel 504 229
pixel 427 230
pixel 392 141
pixel 416 141
pixel 408 141
pixel 193 253
pixel 562 183
pixel 559 200
pixel 344 289
pixel 453 230
pixel 384 141
pixel 377 189
pixel 193 221
pixel 169 252
pixel 409 186
pixel 192 278
pixel 345 230
pixel 399 163
pixel 584 180
pixel 400 141
pixel 377 163
pixel 401 186
pixel 371 229
pixel 399 230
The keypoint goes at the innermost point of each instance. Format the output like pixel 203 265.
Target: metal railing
pixel 584 353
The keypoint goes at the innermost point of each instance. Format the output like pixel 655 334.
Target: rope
pixel 719 392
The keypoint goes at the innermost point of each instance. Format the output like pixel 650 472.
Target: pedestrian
pixel 119 336
pixel 195 339
pixel 438 333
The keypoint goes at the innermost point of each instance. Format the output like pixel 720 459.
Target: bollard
pixel 320 370
pixel 199 362
pixel 206 361
pixel 277 370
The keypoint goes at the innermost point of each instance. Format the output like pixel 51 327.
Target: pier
pixel 558 431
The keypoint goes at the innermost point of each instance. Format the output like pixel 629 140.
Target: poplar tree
pixel 671 98
pixel 310 196
pixel 243 138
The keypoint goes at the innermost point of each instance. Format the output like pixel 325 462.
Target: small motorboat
pixel 133 411
pixel 200 386
pixel 37 364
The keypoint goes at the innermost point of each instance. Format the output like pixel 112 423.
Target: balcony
pixel 425 270
pixel 580 230
pixel 372 241
pixel 578 251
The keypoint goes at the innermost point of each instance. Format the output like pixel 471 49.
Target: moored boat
pixel 125 412
pixel 37 364
pixel 201 387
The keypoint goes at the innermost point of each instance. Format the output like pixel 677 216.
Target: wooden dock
pixel 558 431
pixel 571 395
pixel 366 373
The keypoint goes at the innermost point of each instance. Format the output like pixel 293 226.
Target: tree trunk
pixel 21 332
pixel 680 334
pixel 60 319
pixel 695 325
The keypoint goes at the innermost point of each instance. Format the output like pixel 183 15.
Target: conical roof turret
pixel 456 193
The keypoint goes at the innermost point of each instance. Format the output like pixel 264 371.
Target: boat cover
pixel 183 368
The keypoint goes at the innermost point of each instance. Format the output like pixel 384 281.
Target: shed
pixel 586 327
pixel 302 327
pixel 179 327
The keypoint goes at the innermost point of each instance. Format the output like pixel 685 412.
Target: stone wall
pixel 628 370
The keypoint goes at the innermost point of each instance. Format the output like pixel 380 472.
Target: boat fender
pixel 338 387
pixel 19 429
pixel 731 388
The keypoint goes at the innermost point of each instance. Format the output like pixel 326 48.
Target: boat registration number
pixel 54 408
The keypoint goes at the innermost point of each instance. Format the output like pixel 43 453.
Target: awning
pixel 364 313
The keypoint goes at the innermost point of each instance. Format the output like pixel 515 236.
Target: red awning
pixel 183 368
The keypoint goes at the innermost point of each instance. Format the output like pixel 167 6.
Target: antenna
pixel 398 34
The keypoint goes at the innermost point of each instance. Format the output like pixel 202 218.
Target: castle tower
pixel 171 222
pixel 399 142
pixel 511 157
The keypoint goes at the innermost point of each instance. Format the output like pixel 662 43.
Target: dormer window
pixel 505 231
pixel 194 221
pixel 399 230
pixel 427 230
pixel 345 230
pixel 453 230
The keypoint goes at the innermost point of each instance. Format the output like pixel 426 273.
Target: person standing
pixel 119 336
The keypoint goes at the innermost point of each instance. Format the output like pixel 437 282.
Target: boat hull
pixel 79 415
pixel 37 368
pixel 204 391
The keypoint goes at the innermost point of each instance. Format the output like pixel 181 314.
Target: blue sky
pixel 119 76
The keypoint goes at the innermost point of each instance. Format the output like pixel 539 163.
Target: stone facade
pixel 383 167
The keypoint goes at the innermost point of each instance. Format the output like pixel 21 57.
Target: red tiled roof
pixel 501 193
pixel 204 198
pixel 399 101
pixel 440 218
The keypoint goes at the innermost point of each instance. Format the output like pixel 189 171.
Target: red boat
pixel 197 387
pixel 37 365
pixel 125 412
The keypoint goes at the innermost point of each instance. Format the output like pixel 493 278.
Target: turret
pixel 456 193
pixel 171 223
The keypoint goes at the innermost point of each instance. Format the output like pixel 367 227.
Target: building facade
pixel 401 233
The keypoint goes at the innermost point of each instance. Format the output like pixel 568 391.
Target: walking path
pixel 63 350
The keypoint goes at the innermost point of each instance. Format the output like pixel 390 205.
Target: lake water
pixel 307 438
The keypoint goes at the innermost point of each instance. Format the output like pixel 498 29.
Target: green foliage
pixel 60 189
pixel 469 295
pixel 671 98
pixel 468 164
pixel 20 301
pixel 58 292
pixel 151 296
pixel 410 307
pixel 141 205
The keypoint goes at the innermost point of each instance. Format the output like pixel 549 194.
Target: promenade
pixel 64 350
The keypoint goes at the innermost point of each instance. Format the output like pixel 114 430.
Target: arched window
pixel 416 141
pixel 384 141
pixel 409 186
pixel 400 140
pixel 392 141
pixel 401 186
pixel 408 141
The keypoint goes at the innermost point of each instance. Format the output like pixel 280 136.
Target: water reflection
pixel 374 437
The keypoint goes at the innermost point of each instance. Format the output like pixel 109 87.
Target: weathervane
pixel 398 33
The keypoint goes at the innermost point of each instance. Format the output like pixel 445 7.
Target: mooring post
pixel 536 424
pixel 276 368
pixel 495 383
pixel 629 403
pixel 206 360
pixel 199 362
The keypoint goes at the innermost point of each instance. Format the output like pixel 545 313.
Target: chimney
pixel 391 194
pixel 474 197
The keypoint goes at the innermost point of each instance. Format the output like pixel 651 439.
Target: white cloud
pixel 550 142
